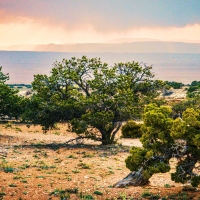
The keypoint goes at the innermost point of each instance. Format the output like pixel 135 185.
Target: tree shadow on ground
pixel 107 149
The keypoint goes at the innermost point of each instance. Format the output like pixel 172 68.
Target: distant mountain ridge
pixel 124 47
pixel 130 40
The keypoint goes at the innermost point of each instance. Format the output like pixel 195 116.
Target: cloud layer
pixel 64 21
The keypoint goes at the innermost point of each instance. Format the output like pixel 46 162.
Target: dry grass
pixel 38 166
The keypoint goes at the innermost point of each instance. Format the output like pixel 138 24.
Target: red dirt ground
pixel 43 167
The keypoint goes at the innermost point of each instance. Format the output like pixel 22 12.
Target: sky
pixel 32 22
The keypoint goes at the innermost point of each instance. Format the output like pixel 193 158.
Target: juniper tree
pixel 10 102
pixel 164 138
pixel 93 97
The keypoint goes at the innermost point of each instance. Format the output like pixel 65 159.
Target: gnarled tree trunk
pixel 133 179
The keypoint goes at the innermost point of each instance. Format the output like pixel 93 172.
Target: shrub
pixel 131 130
pixel 174 84
pixel 6 167
pixel 8 125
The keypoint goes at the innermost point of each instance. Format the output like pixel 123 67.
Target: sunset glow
pixel 45 22
pixel 36 33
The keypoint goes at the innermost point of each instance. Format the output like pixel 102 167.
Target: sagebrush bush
pixel 131 130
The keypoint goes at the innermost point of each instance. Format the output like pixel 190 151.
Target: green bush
pixel 131 130
pixel 174 84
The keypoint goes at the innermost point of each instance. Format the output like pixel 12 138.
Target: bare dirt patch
pixel 38 166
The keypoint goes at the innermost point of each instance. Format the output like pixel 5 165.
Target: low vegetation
pixel 174 84
pixel 131 129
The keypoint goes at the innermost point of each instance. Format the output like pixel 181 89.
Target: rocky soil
pixel 35 166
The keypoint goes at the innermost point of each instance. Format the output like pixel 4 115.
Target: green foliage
pixel 45 113
pixel 187 129
pixel 64 194
pixel 12 185
pixel 156 140
pixel 131 130
pixel 195 181
pixel 145 194
pixel 149 195
pixel 179 107
pixel 7 168
pixel 3 77
pixel 156 127
pixel 164 138
pixel 11 105
pixel 167 185
pixel 84 166
pixel 194 89
pixel 95 98
pixel 135 160
pixel 2 194
pixel 97 192
pixel 174 84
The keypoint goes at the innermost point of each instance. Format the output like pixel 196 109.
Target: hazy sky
pixel 80 21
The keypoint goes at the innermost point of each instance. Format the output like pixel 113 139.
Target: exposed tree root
pixel 133 179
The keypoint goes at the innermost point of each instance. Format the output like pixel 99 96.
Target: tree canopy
pixel 94 97
pixel 174 84
pixel 194 89
pixel 10 102
pixel 164 138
